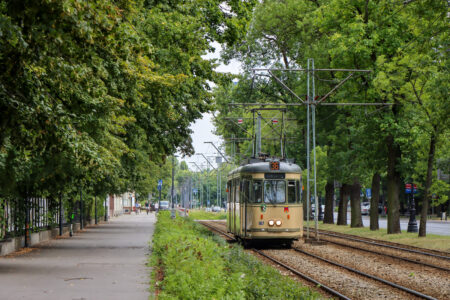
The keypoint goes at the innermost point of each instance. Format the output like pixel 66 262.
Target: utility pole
pixel 311 103
pixel 200 193
pixel 208 189
pixel 172 213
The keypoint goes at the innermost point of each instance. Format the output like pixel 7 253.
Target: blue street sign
pixel 160 184
pixel 208 203
pixel 369 193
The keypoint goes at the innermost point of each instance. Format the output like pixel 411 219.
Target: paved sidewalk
pixel 107 261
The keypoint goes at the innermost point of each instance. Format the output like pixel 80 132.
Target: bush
pixel 196 264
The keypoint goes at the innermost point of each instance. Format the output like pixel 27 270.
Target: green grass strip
pixel 431 241
pixel 196 264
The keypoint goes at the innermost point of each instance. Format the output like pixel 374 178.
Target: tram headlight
pixel 271 222
pixel 278 222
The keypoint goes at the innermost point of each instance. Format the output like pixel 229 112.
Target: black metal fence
pixel 43 214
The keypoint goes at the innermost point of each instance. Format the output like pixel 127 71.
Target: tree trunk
pixel 329 197
pixel 426 199
pixel 374 202
pixel 342 211
pixel 393 176
pixel 355 202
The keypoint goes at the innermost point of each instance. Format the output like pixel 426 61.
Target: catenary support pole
pixel 316 210
pixel 172 213
pixel 308 191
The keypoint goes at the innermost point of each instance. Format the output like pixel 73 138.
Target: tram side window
pixel 291 192
pixel 299 191
pixel 245 191
pixel 257 191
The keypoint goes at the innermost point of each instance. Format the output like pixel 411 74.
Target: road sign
pixel 415 189
pixel 408 188
pixel 369 193
pixel 274 121
pixel 240 121
pixel 160 182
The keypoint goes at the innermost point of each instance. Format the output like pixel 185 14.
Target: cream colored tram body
pixel 264 201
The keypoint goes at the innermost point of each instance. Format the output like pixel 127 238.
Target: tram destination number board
pixel 274 176
pixel 274 165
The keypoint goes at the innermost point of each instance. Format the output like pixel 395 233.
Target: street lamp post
pixel 412 224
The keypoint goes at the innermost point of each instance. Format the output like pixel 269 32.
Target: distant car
pixel 216 209
pixel 365 208
pixel 313 207
pixel 164 205
pixel 152 207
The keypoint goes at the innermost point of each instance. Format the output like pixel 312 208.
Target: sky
pixel 203 128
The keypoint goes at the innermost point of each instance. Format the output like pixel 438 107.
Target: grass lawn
pixel 190 262
pixel 431 241
pixel 198 214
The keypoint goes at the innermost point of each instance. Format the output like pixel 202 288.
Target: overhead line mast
pixel 311 104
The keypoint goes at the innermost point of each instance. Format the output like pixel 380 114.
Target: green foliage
pixel 196 264
pixel 96 94
pixel 404 47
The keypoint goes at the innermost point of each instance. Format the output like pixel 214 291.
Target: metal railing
pixel 43 214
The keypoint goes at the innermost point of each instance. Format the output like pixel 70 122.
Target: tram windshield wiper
pixel 274 191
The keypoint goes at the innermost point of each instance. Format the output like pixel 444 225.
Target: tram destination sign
pixel 274 175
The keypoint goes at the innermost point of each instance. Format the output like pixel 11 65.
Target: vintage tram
pixel 264 201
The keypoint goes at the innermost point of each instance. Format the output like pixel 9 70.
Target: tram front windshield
pixel 274 191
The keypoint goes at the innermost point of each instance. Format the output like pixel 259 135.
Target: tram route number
pixel 275 165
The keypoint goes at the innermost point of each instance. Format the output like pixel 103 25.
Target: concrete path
pixel 107 261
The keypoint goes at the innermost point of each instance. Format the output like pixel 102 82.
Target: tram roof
pixel 264 167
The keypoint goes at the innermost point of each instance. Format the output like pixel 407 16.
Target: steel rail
pixel 388 255
pixel 402 288
pixel 304 276
pixel 385 245
pixel 218 230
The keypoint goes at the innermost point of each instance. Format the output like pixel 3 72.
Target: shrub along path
pixel 102 262
pixel 190 262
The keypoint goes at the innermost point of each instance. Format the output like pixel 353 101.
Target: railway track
pixel 316 283
pixel 323 285
pixel 418 257
pixel 387 282
pixel 390 245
